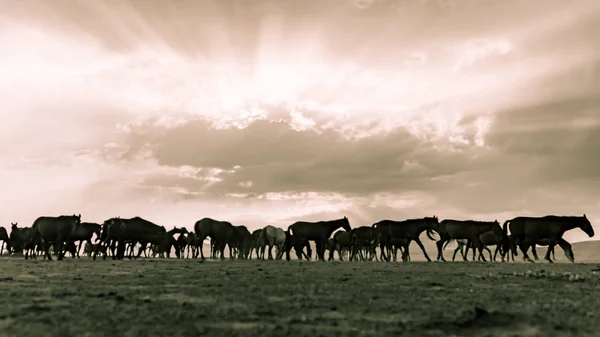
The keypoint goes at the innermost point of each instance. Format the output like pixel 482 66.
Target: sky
pixel 270 112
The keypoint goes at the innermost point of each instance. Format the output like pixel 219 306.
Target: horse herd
pixel 117 237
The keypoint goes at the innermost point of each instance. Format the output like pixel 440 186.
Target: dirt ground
pixel 159 297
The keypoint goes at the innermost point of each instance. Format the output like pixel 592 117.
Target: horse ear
pixel 584 216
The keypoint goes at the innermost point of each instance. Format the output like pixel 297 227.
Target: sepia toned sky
pixel 269 112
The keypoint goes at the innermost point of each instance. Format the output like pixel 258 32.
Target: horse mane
pixel 404 221
pixel 564 217
pixel 473 221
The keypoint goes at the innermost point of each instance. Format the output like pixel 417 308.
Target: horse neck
pixel 570 224
pixel 332 226
pixel 424 225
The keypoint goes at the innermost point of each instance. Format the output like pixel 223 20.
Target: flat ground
pixel 169 297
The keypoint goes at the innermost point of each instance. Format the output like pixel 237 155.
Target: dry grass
pixel 187 297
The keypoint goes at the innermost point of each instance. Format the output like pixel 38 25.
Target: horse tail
pixel 430 233
pixel 505 231
pixel 287 244
pixel 447 242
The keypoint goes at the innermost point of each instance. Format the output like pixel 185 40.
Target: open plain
pixel 171 297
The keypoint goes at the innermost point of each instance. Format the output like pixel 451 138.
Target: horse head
pixel 586 226
pixel 346 224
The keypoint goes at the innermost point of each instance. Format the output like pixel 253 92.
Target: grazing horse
pixel 409 229
pixel 55 231
pixel 258 244
pixel 341 243
pixel 298 243
pixel 273 237
pixel 20 241
pixel 5 239
pixel 318 232
pixel 136 230
pixel 465 229
pixel 218 231
pixel 192 244
pixel 526 231
pixel 363 238
pixel 241 239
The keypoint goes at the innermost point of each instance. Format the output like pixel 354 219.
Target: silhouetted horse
pixel 488 239
pixel 409 229
pixel 21 243
pixel 258 244
pixel 562 243
pixel 136 230
pixel 526 231
pixel 273 237
pixel 5 239
pixel 363 238
pixel 241 239
pixel 318 232
pixel 298 243
pixel 84 233
pixel 341 243
pixel 218 231
pixel 55 231
pixel 193 244
pixel 465 229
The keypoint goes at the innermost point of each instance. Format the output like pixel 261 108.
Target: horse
pixel 218 231
pixel 408 229
pixel 488 239
pixel 298 243
pixel 363 238
pixel 258 244
pixel 528 230
pixel 56 231
pixel 5 239
pixel 316 231
pixel 341 243
pixel 136 230
pixel 465 229
pixel 84 232
pixel 273 237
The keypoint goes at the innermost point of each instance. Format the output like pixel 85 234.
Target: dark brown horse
pixel 318 232
pixel 136 230
pixel 55 231
pixel 340 243
pixel 84 233
pixel 465 229
pixel 299 244
pixel 218 231
pixel 526 231
pixel 363 239
pixel 409 229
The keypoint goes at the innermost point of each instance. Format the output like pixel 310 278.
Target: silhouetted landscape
pixel 299 167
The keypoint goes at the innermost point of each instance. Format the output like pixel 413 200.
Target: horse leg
pixel 488 250
pixel 566 247
pixel 523 245
pixel 464 250
pixel 551 245
pixel 439 245
pixel 455 251
pixel 534 252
